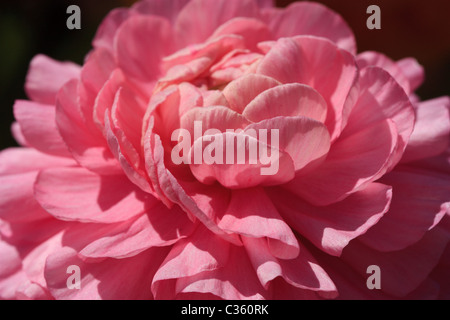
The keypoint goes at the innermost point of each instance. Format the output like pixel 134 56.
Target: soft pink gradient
pixel 364 173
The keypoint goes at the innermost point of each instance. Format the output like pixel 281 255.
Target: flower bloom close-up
pixel 226 149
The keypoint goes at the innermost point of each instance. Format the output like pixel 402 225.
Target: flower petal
pixel 309 18
pixel 99 280
pixel 320 64
pixel 76 194
pixel 431 135
pixel 46 76
pixel 421 199
pixel 252 214
pixel 287 100
pixel 331 228
pixel 307 141
pixel 352 163
pixel 37 123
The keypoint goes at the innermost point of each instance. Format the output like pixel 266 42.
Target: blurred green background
pixel 27 27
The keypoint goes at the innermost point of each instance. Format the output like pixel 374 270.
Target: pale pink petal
pixel 17 203
pixel 135 50
pixel 100 280
pixel 413 71
pixel 46 76
pixel 240 171
pixel 32 291
pixel 37 123
pixel 104 38
pixel 252 30
pixel 252 214
pixel 17 133
pixel 169 189
pixel 376 59
pixel 89 150
pixel 76 194
pixel 203 251
pixel 307 141
pixel 215 117
pixel 287 100
pixel 159 227
pixel 167 9
pixel 10 271
pixel 235 281
pixel 402 271
pixel 23 160
pixel 34 261
pixel 352 163
pixel 320 64
pixel 241 91
pixel 421 199
pixel 309 18
pixel 431 135
pixel 331 228
pixel 200 18
pixel 302 272
pixel 382 98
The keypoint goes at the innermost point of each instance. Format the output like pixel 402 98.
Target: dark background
pixel 416 28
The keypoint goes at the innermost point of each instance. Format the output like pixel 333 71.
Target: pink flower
pixel 361 179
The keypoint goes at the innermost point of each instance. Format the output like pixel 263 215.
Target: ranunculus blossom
pixel 362 179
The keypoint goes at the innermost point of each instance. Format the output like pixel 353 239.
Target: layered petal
pixel 76 194
pixel 46 76
pixel 331 228
pixel 309 18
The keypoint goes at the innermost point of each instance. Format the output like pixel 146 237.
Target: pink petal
pixel 135 49
pixel 287 100
pixel 252 214
pixel 104 38
pixel 46 76
pixel 34 261
pixel 382 98
pixel 309 18
pixel 159 227
pixel 203 251
pixel 17 203
pixel 89 150
pixel 76 194
pixel 169 189
pixel 234 175
pixel 23 160
pixel 200 18
pixel 167 9
pixel 372 58
pixel 320 64
pixel 11 274
pixel 215 117
pixel 431 131
pixel 402 271
pixel 253 31
pixel 126 115
pixel 413 71
pixel 235 281
pixel 305 140
pixel 105 279
pixel 37 123
pixel 421 199
pixel 212 50
pixel 302 272
pixel 332 227
pixel 241 91
pixel 17 133
pixel 352 163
